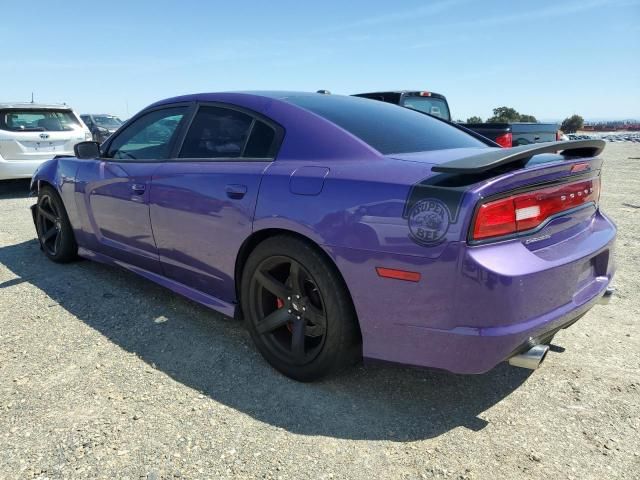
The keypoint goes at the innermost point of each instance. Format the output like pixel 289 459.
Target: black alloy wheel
pixel 290 310
pixel 298 310
pixel 53 228
pixel 49 225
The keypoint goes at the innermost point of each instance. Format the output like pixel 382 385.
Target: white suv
pixel 32 133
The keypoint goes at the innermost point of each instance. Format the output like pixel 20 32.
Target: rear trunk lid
pixel 530 183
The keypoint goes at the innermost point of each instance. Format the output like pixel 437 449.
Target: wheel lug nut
pixel 304 309
pixel 288 298
pixel 289 311
pixel 298 318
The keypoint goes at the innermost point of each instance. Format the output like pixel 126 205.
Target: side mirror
pixel 86 150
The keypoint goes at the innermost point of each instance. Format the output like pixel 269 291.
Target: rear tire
pixel 53 227
pixel 297 309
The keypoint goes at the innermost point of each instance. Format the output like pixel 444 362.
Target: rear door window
pixel 149 137
pixel 33 120
pixel 218 132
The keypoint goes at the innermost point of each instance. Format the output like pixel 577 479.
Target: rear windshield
pixel 38 120
pixel 107 121
pixel 431 105
pixel 387 128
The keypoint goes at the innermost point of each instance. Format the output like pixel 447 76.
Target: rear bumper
pixel 477 307
pixel 19 168
pixel 464 350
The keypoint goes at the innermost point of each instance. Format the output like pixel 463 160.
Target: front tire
pixel 53 227
pixel 298 310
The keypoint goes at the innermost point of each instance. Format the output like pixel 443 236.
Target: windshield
pixel 32 120
pixel 107 121
pixel 431 105
pixel 387 128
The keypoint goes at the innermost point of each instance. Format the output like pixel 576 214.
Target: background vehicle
pixel 31 133
pixel 514 134
pixel 339 226
pixel 504 134
pixel 426 102
pixel 101 125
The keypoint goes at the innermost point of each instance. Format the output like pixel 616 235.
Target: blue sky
pixel 546 58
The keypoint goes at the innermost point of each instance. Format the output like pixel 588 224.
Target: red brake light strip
pixel 525 211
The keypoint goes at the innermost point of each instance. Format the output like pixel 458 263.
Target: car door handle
pixel 236 192
pixel 138 188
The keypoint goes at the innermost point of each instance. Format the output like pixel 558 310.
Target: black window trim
pixel 275 146
pixel 177 136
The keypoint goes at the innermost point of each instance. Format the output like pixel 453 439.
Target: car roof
pixel 398 91
pixel 208 96
pixel 35 106
pixel 244 98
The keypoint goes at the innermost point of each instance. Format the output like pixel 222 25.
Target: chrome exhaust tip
pixel 530 359
pixel 607 295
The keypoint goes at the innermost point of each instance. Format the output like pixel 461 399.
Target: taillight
pixel 505 140
pixel 525 211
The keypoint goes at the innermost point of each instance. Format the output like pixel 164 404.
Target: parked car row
pixel 622 137
pixel 610 137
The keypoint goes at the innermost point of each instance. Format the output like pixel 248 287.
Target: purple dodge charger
pixel 341 227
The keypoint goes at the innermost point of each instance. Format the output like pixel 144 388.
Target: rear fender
pixel 358 208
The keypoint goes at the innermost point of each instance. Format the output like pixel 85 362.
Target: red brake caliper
pixel 280 304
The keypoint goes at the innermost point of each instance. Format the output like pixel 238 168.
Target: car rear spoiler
pixel 498 157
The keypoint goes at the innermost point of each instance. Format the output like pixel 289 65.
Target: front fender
pixel 60 173
pixel 46 172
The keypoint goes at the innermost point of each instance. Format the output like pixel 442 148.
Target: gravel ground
pixel 105 375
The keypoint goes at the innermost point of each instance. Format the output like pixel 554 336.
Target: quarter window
pixel 149 137
pixel 261 141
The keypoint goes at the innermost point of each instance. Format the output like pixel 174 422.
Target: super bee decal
pixel 429 221
pixel 431 207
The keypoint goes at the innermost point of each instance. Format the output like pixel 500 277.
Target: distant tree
pixel 572 124
pixel 474 119
pixel 528 118
pixel 509 115
pixel 504 115
pixel 459 121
